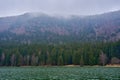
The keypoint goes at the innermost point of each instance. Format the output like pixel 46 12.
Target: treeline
pixel 64 54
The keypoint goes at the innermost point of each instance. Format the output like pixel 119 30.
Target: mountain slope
pixel 41 28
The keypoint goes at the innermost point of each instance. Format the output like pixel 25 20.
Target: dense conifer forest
pixel 60 54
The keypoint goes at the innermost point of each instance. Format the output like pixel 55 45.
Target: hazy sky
pixel 79 7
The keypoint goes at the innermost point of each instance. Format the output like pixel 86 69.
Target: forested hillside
pixel 41 28
pixel 74 53
pixel 38 39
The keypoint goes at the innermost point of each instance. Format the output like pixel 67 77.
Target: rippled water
pixel 59 73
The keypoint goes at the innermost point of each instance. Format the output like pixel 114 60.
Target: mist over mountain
pixel 42 28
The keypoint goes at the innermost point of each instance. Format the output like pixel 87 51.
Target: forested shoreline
pixel 98 53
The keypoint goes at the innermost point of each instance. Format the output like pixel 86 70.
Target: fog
pixel 61 7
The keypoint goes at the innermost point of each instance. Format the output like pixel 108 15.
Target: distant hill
pixel 42 28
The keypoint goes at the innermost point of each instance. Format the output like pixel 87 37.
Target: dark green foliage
pixel 64 54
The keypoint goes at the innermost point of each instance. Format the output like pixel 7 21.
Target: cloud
pixel 80 7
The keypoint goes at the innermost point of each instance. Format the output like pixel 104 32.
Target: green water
pixel 59 73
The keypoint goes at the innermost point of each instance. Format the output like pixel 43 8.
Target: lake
pixel 59 73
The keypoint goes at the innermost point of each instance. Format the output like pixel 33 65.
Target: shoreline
pixel 109 65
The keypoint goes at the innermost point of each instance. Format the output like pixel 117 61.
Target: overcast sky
pixel 64 7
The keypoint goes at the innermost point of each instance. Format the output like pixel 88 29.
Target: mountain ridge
pixel 42 28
